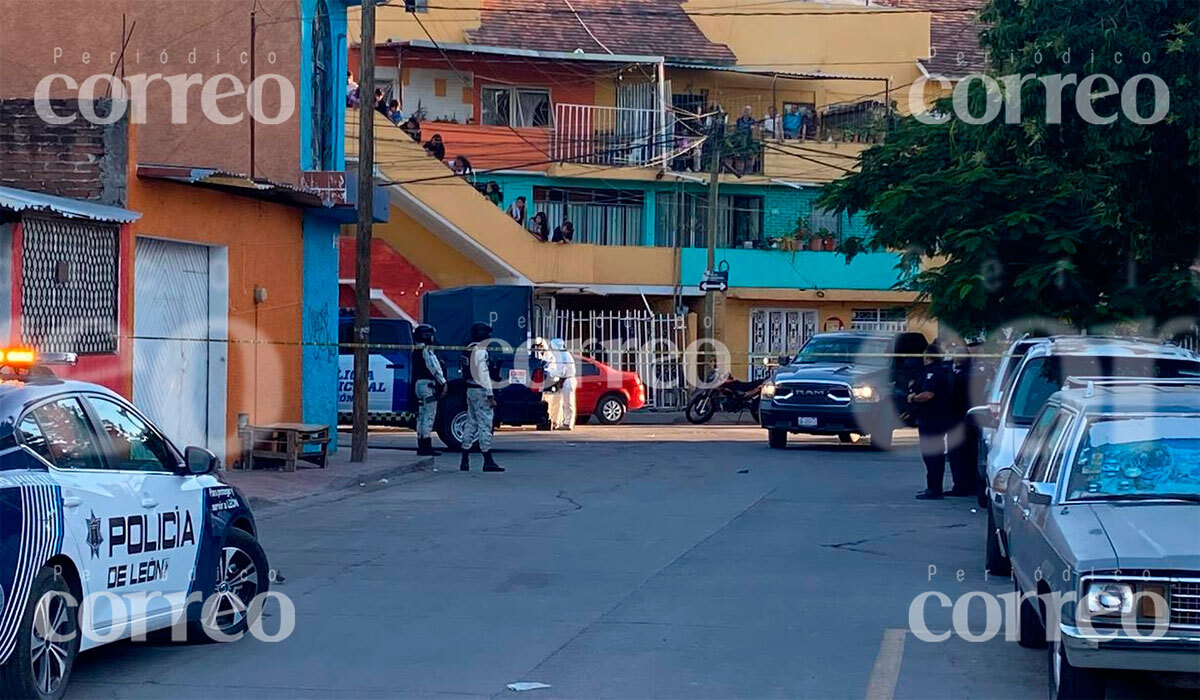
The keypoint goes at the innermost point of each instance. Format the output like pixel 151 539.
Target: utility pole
pixel 362 249
pixel 714 301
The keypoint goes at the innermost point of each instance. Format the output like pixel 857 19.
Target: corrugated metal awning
pixel 769 73
pixel 527 53
pixel 23 201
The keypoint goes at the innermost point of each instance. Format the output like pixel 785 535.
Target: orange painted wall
pixel 265 248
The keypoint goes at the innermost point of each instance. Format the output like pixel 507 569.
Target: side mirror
pixel 981 417
pixel 1041 493
pixel 784 360
pixel 999 483
pixel 200 461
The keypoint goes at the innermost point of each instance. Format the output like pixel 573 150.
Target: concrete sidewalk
pixel 274 486
pixel 645 417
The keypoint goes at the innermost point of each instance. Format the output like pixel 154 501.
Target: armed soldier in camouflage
pixel 429 384
pixel 479 373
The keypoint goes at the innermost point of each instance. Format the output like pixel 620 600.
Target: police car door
pixel 60 432
pixel 154 543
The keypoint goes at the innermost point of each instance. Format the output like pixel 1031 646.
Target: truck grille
pixel 813 394
pixel 1185 603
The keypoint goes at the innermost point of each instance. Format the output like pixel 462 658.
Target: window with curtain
pixel 601 216
pixel 825 219
pixel 685 215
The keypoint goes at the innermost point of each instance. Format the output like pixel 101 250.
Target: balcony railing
pixel 621 136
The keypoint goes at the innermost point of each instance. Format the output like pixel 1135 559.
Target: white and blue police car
pixel 107 530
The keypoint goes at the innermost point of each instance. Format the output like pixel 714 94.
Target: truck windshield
pixel 1138 457
pixel 844 350
pixel 1042 376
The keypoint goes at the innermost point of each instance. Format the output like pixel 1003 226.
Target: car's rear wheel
pixel 996 563
pixel 777 439
pixel 47 642
pixel 1069 682
pixel 242 575
pixel 452 429
pixel 610 410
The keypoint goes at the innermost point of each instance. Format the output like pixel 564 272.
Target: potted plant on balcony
pixel 828 241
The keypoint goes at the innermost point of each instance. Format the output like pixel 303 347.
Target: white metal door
pixel 775 332
pixel 171 329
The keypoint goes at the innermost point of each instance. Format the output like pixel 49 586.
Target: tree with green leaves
pixel 1088 223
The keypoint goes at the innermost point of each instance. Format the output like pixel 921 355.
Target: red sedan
pixel 606 392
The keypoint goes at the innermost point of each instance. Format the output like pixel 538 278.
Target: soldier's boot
pixel 425 448
pixel 464 462
pixel 489 464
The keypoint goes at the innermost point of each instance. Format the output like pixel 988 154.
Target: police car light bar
pixel 24 358
pixel 18 357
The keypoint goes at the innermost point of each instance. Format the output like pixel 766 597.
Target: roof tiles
pixel 658 27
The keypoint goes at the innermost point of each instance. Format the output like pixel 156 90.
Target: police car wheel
pixel 41 663
pixel 242 574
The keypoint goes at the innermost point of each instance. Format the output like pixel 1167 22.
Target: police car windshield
pixel 1042 376
pixel 844 350
pixel 1138 457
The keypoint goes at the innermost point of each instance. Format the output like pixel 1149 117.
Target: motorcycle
pixel 730 396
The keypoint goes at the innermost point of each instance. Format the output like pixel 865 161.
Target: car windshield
pixel 845 350
pixel 1138 456
pixel 1042 376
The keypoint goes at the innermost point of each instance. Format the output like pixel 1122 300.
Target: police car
pixel 107 530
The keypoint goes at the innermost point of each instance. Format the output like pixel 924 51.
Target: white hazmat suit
pixel 562 402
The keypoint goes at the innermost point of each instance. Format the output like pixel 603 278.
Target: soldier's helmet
pixel 480 332
pixel 424 333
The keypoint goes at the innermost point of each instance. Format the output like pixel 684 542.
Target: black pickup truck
pixel 844 384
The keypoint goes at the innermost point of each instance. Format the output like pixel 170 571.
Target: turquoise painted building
pixel 322 148
pixel 760 227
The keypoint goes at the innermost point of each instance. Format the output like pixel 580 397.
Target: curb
pixel 344 483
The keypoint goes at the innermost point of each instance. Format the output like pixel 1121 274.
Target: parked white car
pixel 1045 367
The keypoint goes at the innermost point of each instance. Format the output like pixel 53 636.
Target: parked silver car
pixel 1045 366
pixel 1103 531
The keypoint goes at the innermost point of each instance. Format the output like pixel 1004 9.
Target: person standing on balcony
pixel 492 191
pixel 517 211
pixel 745 123
pixel 539 227
pixel 792 122
pixel 770 124
pixel 412 127
pixel 394 112
pixel 563 233
pixel 436 148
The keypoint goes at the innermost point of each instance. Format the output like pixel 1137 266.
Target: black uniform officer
pixel 932 397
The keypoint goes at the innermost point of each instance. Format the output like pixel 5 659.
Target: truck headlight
pixel 768 390
pixel 1108 598
pixel 865 392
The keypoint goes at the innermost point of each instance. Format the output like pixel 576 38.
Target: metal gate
pixel 775 332
pixel 170 323
pixel 637 341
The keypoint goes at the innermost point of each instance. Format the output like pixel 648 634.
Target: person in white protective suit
pixel 562 402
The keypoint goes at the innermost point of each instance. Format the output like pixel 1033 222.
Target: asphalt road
pixel 639 561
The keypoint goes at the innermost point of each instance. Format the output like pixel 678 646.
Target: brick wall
pixel 80 159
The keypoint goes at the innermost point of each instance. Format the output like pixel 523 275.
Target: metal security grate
pixel 1185 603
pixel 69 286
